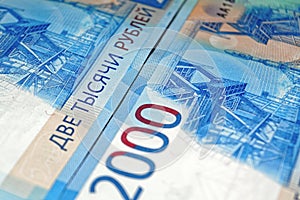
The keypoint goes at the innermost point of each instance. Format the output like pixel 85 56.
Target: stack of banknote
pixel 150 99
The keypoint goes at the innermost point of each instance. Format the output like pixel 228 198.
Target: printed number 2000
pixel 164 138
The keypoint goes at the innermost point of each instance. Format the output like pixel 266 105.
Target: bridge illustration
pixel 46 63
pixel 260 130
pixel 262 24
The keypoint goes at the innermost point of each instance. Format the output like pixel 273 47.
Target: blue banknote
pixel 65 65
pixel 213 114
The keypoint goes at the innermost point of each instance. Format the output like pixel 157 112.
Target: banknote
pixel 213 114
pixel 62 61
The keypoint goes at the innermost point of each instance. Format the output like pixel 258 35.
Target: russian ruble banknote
pixel 65 65
pixel 213 114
